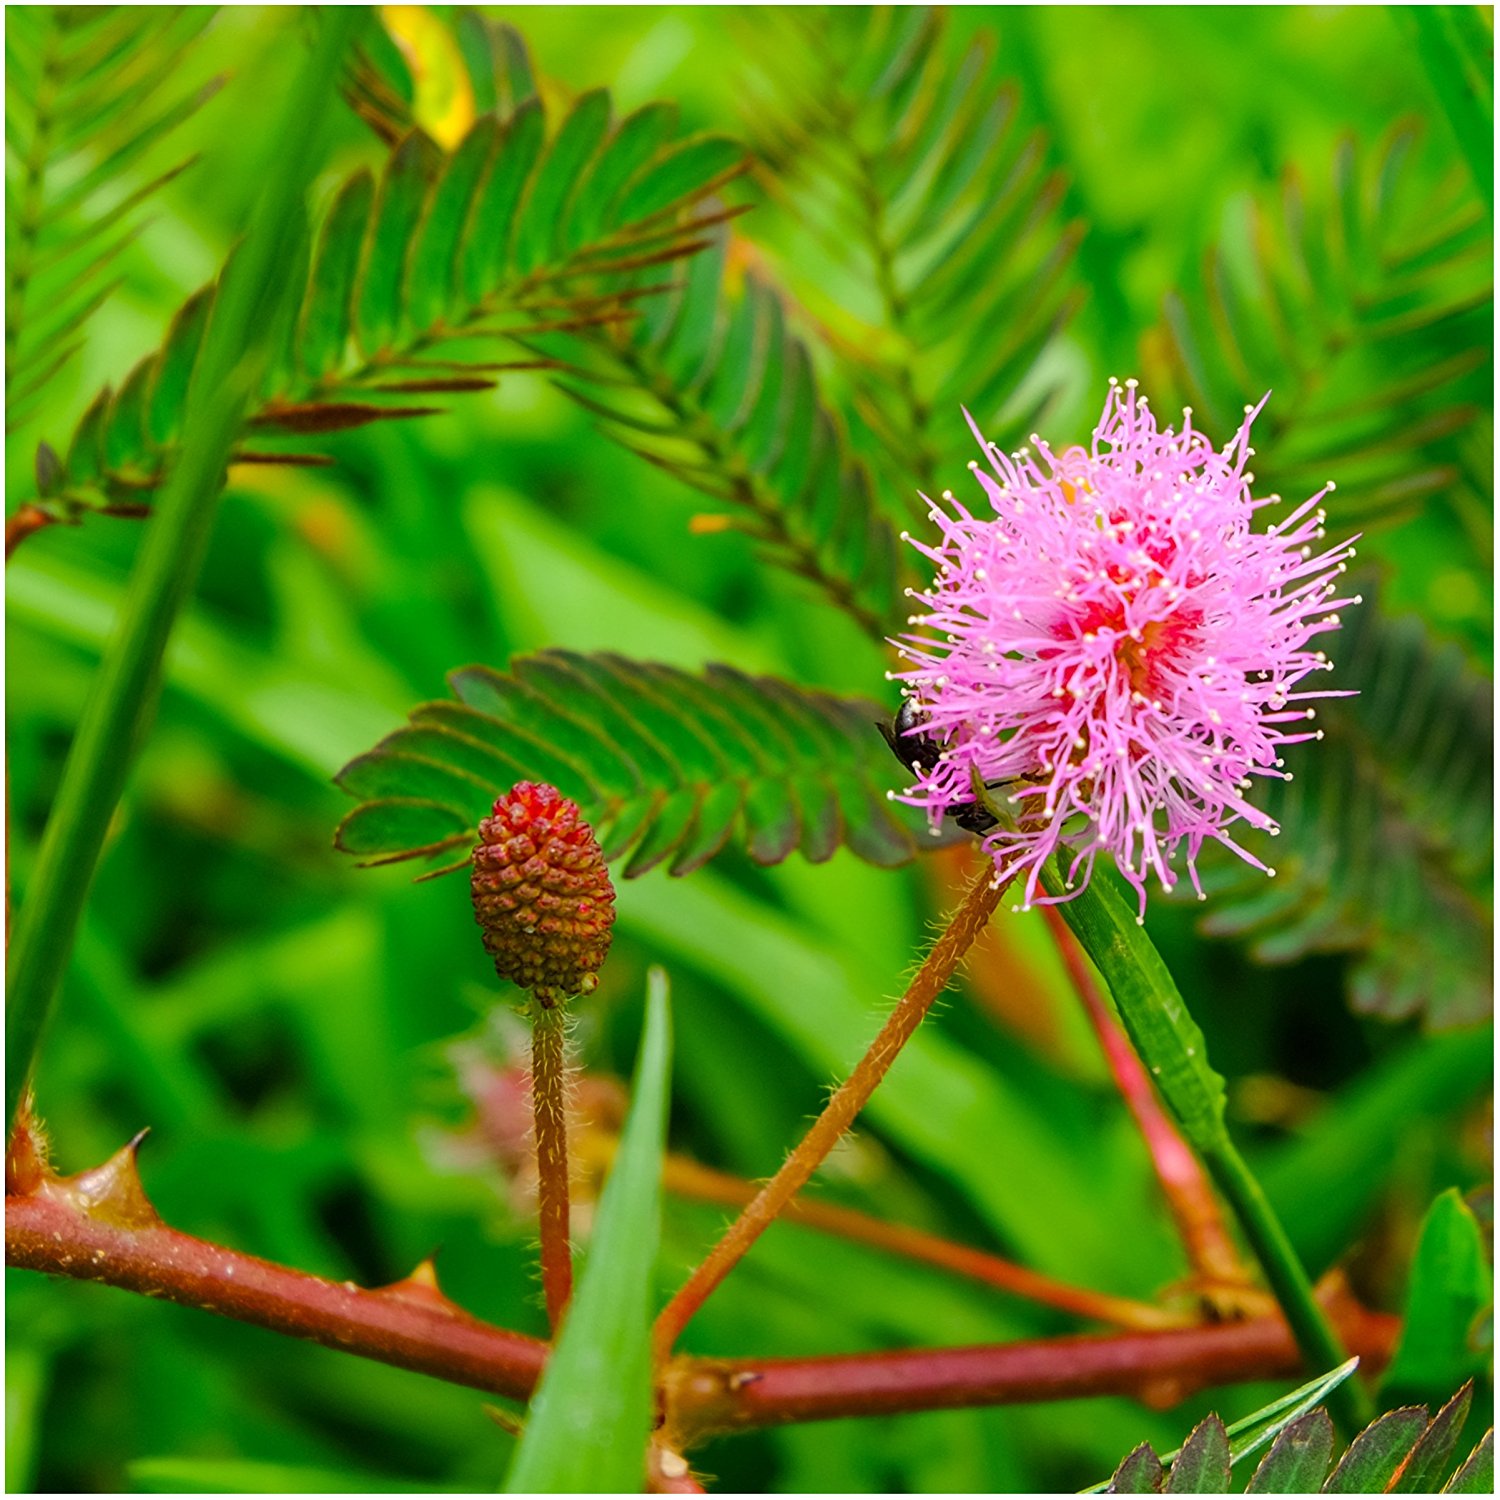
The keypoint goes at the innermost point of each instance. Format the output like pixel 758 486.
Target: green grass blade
pixel 591 1416
pixel 125 693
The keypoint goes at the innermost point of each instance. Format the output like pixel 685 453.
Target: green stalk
pixel 1169 1042
pixel 125 693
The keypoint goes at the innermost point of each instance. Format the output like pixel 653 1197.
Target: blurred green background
pixel 287 1024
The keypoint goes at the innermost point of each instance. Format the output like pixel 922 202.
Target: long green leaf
pixel 238 344
pixel 591 1416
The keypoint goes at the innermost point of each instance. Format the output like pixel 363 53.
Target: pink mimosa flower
pixel 1115 652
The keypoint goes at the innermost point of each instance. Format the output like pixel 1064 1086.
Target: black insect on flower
pixel 918 751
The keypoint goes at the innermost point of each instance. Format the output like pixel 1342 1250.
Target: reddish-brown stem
pixel 1159 1368
pixel 688 1179
pixel 549 1106
pixel 1185 1184
pixel 27 519
pixel 410 1324
pixel 98 1226
pixel 839 1114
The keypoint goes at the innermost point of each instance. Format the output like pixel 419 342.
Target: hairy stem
pixel 1188 1192
pixel 689 1179
pixel 1158 1368
pixel 549 1105
pixel 839 1114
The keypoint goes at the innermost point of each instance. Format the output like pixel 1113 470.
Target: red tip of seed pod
pixel 542 894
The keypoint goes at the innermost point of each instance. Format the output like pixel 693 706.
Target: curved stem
pixel 549 1104
pixel 839 1114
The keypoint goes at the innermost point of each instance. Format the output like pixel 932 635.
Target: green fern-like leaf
pixel 1401 1452
pixel 415 282
pixel 903 158
pixel 667 765
pixel 1385 849
pixel 91 95
pixel 1365 309
pixel 717 391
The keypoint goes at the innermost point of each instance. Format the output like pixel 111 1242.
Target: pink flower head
pixel 1114 652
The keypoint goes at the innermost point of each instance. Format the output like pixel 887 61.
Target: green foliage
pixel 487 245
pixel 1364 307
pixel 589 1420
pixel 1401 1452
pixel 1386 843
pixel 907 163
pixel 726 400
pixel 91 93
pixel 665 764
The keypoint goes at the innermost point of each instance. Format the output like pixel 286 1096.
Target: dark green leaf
pixel 636 141
pixel 383 275
pixel 1425 1465
pixel 1298 1460
pixel 174 367
pixel 665 763
pixel 682 174
pixel 1476 1475
pixel 1376 1454
pixel 1202 1467
pixel 540 230
pixel 486 250
pixel 328 310
pixel 1139 1474
pixel 434 267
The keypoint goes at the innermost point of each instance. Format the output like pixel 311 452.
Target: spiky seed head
pixel 542 894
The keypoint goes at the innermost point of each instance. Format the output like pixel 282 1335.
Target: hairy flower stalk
pixel 1116 653
pixel 546 907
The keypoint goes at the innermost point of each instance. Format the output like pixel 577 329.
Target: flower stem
pixel 549 1103
pixel 839 1114
pixel 1188 1192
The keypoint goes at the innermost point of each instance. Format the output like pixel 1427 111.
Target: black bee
pixel 919 752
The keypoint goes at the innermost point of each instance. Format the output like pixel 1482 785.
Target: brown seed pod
pixel 542 894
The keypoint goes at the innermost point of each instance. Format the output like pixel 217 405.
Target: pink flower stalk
pixel 1114 652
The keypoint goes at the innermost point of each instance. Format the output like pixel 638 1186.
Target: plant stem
pixel 689 1179
pixel 549 1105
pixel 1320 1344
pixel 1187 1189
pixel 839 1114
pixel 126 691
pixel 410 1324
pixel 99 1227
pixel 1158 1368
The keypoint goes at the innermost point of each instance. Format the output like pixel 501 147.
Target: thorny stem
pixel 1189 1194
pixel 689 1179
pixel 549 1103
pixel 839 1114
pixel 99 1226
